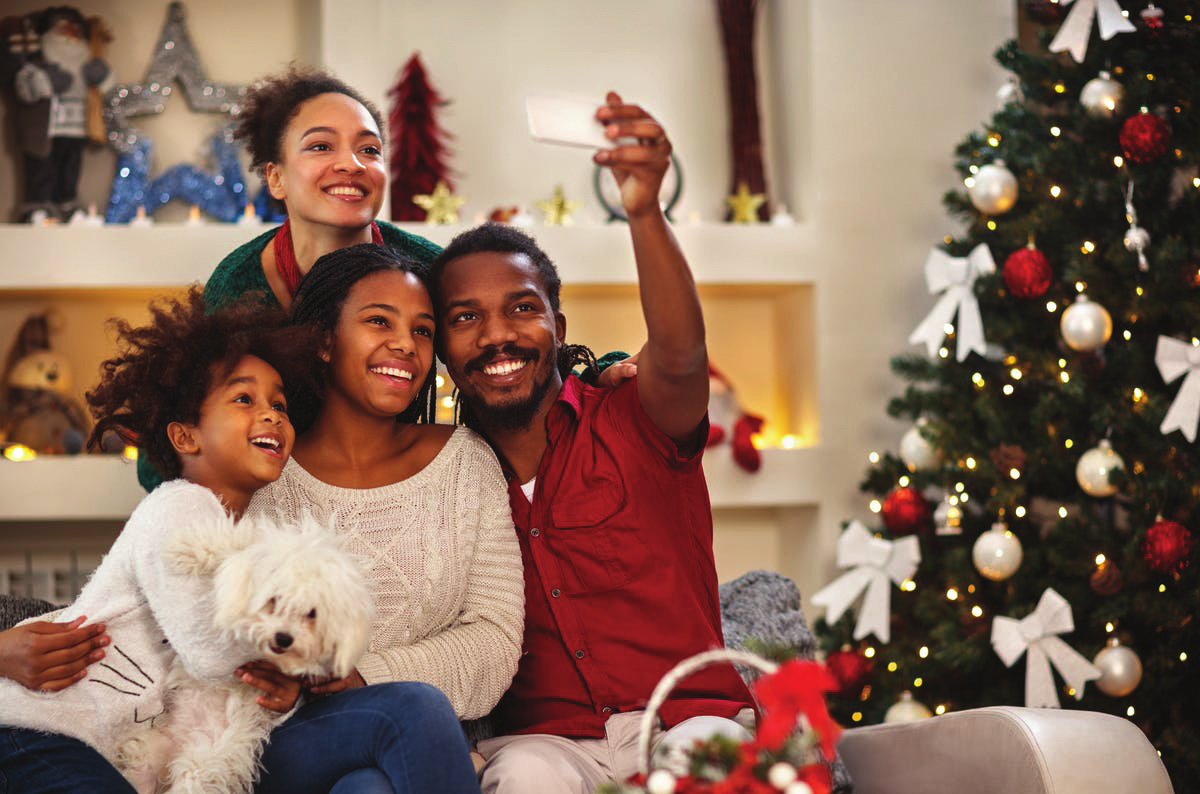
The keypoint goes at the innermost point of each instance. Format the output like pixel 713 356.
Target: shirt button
pixel 535 532
pixel 555 593
pixel 579 654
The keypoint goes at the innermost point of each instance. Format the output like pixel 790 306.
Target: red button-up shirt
pixel 620 583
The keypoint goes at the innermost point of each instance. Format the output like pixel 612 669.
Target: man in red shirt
pixel 608 498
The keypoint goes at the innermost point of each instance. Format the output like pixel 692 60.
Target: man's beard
pixel 518 413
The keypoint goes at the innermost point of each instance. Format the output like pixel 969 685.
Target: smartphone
pixel 571 122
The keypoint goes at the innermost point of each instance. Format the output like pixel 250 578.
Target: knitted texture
pixel 241 270
pixel 14 609
pixel 443 563
pixel 151 614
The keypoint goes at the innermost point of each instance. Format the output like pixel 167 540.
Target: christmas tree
pixel 1051 474
pixel 419 152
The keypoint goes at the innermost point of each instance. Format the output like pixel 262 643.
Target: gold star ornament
pixel 744 204
pixel 441 207
pixel 556 211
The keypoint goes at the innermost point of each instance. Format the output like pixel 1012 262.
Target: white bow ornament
pixel 955 278
pixel 1174 358
pixel 1077 27
pixel 1037 634
pixel 874 562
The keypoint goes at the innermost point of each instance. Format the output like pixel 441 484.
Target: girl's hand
pixel 638 168
pixel 280 691
pixel 49 657
pixel 352 681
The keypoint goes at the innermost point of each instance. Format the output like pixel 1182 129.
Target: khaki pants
pixel 539 763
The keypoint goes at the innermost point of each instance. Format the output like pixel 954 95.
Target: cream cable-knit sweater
pixel 151 613
pixel 443 563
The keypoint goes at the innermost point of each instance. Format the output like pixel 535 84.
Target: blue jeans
pixel 49 763
pixel 403 734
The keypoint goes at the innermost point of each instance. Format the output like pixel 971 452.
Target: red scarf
pixel 285 254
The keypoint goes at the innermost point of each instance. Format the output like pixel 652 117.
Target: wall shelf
pixel 105 487
pixel 119 257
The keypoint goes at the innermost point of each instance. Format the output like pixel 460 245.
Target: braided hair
pixel 271 104
pixel 318 303
pixel 164 370
pixel 500 238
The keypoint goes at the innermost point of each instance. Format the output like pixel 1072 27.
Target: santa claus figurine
pixel 727 421
pixel 53 84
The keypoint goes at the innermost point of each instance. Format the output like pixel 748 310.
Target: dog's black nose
pixel 283 640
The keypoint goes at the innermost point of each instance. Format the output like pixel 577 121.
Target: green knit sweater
pixel 241 272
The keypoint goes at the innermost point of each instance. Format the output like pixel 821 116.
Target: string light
pixel 1068 443
pixel 1051 307
pixel 1008 389
pixel 1014 473
pixel 903 481
pixel 909 585
pixel 940 709
pixel 1162 588
pixel 1108 628
pixel 1055 191
pixel 892 667
pixel 1062 512
pixel 965 498
pixel 875 506
pixel 1196 181
pixel 1138 394
pixel 958 486
pixel 1140 292
pixel 991 226
pixel 1183 656
pixel 440 381
pixel 1059 88
pixel 1127 335
pixel 977 379
pixel 130 453
pixel 1129 711
pixel 1064 377
pixel 1087 247
pixel 948 329
pixel 971 463
pixel 1080 286
pixel 856 716
pixel 1016 373
pixel 1020 511
pixel 977 611
pixel 918 681
pixel 974 169
pixel 952 594
pixel 1055 131
pixel 994 139
pixel 969 182
pixel 788 442
pixel 869 652
pixel 944 353
pixel 19 452
pixel 1118 161
pixel 1100 558
pixel 970 588
pixel 873 457
pixel 924 652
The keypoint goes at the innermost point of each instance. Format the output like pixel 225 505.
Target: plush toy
pixel 37 408
pixel 728 422
pixel 52 66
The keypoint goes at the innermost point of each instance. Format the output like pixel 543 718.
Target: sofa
pixel 995 750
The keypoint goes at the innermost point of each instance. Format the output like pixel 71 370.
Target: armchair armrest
pixel 1003 749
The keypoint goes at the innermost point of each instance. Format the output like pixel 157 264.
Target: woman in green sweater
pixel 318 144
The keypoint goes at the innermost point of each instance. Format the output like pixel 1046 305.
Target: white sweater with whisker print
pixel 443 563
pixel 151 613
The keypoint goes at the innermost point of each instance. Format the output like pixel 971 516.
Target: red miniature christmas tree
pixel 418 144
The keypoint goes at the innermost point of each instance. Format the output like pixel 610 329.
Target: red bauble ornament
pixel 1145 137
pixel 1027 273
pixel 850 669
pixel 1167 547
pixel 905 511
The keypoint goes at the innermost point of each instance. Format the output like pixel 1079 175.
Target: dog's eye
pixel 312 614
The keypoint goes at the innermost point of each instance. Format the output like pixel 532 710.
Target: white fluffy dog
pixel 290 596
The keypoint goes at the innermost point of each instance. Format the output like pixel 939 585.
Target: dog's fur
pixel 286 595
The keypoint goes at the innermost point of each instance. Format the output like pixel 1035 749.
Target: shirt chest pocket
pixel 593 540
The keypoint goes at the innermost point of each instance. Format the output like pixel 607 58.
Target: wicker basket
pixel 678 673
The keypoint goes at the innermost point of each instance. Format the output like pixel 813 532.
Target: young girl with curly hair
pixel 203 394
